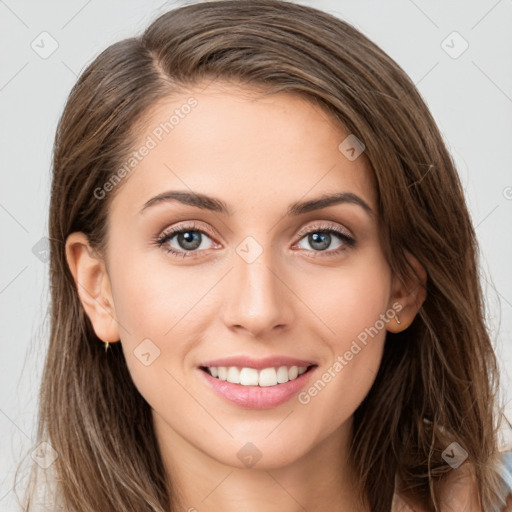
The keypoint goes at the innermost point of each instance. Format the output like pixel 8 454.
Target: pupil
pixel 323 239
pixel 189 240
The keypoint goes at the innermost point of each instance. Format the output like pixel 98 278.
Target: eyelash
pixel 192 227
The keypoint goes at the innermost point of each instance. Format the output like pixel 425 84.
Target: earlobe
pixel 93 286
pixel 409 294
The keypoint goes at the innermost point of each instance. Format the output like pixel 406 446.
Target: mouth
pixel 266 377
pixel 253 388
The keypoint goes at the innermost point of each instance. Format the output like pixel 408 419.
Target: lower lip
pixel 257 397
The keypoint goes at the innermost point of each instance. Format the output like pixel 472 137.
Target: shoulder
pixel 458 493
pixel 460 490
pixel 507 479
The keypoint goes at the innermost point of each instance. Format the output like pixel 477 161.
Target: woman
pixel 253 209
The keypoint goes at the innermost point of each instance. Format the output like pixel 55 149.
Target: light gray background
pixel 470 97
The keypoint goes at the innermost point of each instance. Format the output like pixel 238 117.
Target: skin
pixel 258 155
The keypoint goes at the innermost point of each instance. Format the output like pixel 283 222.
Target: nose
pixel 259 300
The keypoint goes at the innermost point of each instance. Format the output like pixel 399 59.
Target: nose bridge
pixel 258 298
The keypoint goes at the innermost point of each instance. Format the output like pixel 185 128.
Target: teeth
pixel 233 375
pixel 282 375
pixel 247 376
pixel 253 377
pixel 268 377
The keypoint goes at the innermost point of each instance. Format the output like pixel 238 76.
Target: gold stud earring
pixel 106 345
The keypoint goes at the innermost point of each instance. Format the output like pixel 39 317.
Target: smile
pixel 253 377
pixel 257 389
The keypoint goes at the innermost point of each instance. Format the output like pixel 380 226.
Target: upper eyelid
pixel 324 225
pixel 191 226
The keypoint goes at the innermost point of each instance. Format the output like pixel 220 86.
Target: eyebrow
pixel 217 205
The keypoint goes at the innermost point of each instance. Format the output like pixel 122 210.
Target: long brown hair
pixel 438 379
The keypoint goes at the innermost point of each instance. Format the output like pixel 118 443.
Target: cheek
pixel 342 383
pixel 337 391
pixel 153 299
pixel 353 306
pixel 159 327
pixel 164 312
pixel 351 298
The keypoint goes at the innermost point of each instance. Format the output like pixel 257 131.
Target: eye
pixel 188 240
pixel 320 237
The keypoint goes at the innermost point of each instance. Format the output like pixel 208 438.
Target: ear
pixel 93 286
pixel 407 296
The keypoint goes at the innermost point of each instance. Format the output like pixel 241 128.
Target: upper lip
pixel 259 364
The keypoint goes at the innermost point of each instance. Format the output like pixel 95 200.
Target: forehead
pixel 238 144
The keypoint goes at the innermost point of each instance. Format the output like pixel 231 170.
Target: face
pixel 248 274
